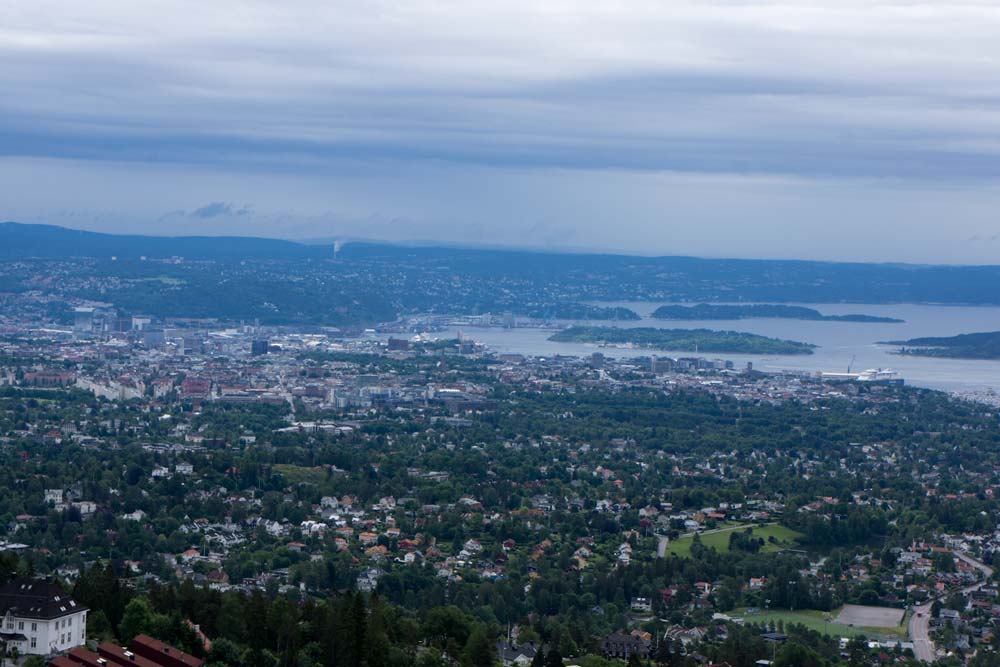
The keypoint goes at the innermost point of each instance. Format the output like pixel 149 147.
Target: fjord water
pixel 839 342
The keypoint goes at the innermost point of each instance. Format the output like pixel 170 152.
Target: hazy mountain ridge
pixel 22 241
pixel 282 281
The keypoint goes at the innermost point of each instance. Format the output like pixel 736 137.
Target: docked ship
pixel 876 375
pixel 880 375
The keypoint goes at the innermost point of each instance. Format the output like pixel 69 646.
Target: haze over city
pixel 840 130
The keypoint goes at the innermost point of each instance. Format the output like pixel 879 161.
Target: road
pixel 919 626
pixel 919 630
pixel 661 546
pixel 979 565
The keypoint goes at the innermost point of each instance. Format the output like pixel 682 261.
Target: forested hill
pixel 20 241
pixel 705 311
pixel 679 278
pixel 984 345
pixel 298 283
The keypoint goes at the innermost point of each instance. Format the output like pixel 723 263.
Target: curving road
pixel 919 626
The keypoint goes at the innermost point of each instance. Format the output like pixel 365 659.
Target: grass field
pixel 815 620
pixel 294 474
pixel 785 538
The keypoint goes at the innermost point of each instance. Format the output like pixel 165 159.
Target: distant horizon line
pixel 486 247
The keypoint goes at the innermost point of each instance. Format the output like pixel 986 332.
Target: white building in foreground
pixel 38 618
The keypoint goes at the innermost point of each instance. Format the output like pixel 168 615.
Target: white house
pixel 642 604
pixel 86 507
pixel 137 515
pixel 38 618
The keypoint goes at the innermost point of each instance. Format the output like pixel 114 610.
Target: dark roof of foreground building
pixel 163 654
pixel 143 651
pixel 113 654
pixel 36 598
pixel 62 661
pixel 78 656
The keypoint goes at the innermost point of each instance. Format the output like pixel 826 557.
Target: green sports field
pixel 815 620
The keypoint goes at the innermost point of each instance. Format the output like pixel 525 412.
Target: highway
pixel 919 626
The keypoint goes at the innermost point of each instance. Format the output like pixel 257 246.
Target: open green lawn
pixel 784 538
pixel 814 620
pixel 294 474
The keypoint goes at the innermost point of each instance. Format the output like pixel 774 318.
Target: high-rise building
pixel 153 338
pixel 122 322
pixel 259 347
pixel 399 344
pixel 83 319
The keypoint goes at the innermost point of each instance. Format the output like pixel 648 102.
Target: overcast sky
pixel 832 129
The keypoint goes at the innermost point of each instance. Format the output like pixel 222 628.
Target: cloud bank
pixel 881 114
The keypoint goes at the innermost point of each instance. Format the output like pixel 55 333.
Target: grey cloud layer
pixel 834 129
pixel 825 88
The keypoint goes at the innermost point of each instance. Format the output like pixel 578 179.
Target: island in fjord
pixel 710 311
pixel 579 311
pixel 985 345
pixel 700 340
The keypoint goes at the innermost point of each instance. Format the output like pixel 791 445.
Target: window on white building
pixel 34 642
pixel 20 625
pixel 34 627
pixel 69 621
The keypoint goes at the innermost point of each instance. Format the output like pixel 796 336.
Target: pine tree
pixel 229 621
pixel 377 649
pixel 351 621
pixel 663 656
pixel 256 620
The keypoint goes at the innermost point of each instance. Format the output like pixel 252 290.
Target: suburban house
pixel 620 645
pixel 38 618
pixel 514 655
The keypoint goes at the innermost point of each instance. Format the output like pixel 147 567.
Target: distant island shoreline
pixel 686 340
pixel 981 346
pixel 706 311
